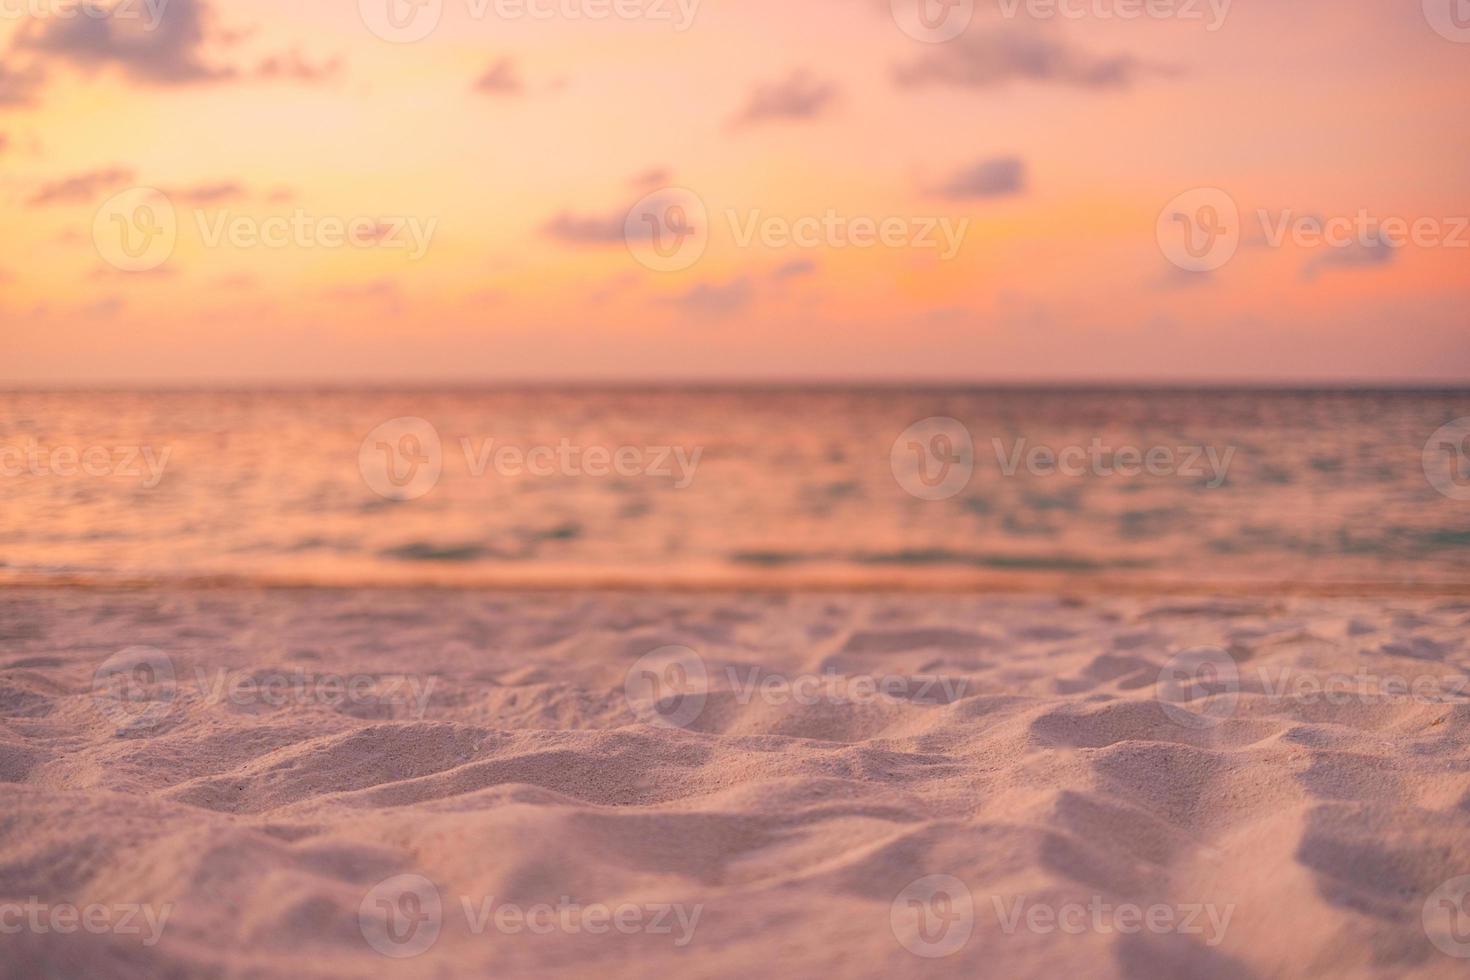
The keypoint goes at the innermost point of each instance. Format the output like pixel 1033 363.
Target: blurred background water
pixel 793 487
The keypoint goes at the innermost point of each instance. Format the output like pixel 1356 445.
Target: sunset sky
pixel 518 146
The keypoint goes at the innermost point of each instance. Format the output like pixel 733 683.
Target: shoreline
pixel 765 584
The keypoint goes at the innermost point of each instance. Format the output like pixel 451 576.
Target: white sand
pixel 1270 833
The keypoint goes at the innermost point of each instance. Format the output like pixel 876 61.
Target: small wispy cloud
pixel 20 86
pixel 1358 255
pixel 294 67
pixel 80 188
pixel 996 177
pixel 574 229
pixel 204 194
pixel 988 59
pixel 501 78
pixel 799 96
pixel 716 299
pixel 652 179
pixel 794 269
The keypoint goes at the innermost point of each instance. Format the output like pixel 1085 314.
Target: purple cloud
pixel 19 86
pixel 80 188
pixel 988 59
pixel 293 67
pixel 794 269
pixel 997 177
pixel 168 53
pixel 798 97
pixel 708 299
pixel 582 230
pixel 1358 255
pixel 501 78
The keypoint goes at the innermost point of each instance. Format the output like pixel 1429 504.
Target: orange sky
pixel 489 168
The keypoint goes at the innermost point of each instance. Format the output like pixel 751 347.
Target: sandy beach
pixel 326 783
pixel 627 489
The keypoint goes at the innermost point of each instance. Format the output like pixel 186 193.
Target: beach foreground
pixel 322 783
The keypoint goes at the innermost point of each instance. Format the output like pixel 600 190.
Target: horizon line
pixel 9 386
